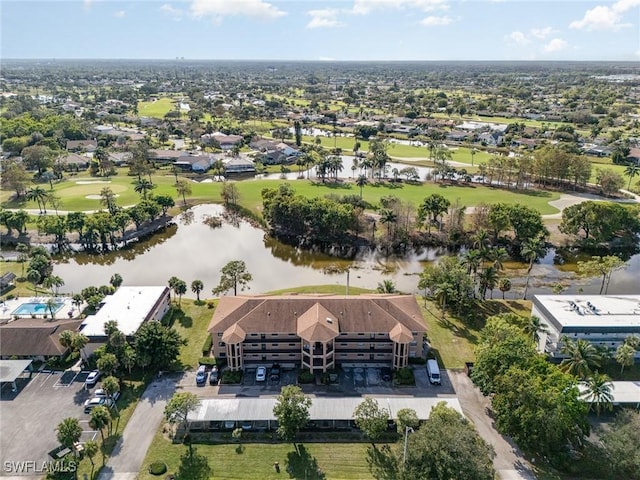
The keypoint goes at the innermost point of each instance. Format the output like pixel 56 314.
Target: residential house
pixel 74 161
pixel 35 338
pixel 195 163
pixel 239 165
pixel 317 332
pixel 81 145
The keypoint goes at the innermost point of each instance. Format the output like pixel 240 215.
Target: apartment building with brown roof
pixel 317 332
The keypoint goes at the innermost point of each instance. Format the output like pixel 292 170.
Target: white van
pixel 433 370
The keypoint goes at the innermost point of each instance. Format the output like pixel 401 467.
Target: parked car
pixel 201 375
pixel 96 402
pixel 247 425
pixel 101 393
pixel 92 378
pixel 261 374
pixel 274 373
pixel 385 374
pixel 213 376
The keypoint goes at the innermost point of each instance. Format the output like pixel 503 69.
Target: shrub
pixel 206 346
pixel 210 305
pixel 230 376
pixel 157 468
pixel 305 376
pixel 404 376
pixel 208 361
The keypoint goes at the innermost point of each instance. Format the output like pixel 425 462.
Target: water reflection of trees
pixel 129 252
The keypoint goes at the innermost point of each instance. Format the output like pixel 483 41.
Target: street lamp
pixel 407 430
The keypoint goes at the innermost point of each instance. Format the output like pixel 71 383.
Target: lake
pixel 192 250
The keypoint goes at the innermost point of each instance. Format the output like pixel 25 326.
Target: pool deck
pixel 9 306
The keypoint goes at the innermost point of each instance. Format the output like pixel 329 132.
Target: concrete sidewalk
pixel 126 459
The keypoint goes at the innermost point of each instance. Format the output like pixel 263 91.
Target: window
pixel 220 334
pixel 292 344
pixel 223 354
pixel 275 344
pixel 221 344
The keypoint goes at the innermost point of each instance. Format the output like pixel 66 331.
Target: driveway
pixel 509 463
pixel 126 460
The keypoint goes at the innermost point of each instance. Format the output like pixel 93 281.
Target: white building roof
pixel 322 408
pixel 129 306
pixel 590 311
pixel 11 369
pixel 622 392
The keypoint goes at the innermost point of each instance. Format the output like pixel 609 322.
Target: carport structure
pixel 330 412
pixel 10 370
pixel 622 393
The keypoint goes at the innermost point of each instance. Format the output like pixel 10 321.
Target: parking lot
pixel 354 380
pixel 30 416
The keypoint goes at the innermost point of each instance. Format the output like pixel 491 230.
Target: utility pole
pixel 407 430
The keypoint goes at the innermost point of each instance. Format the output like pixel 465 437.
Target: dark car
pixel 385 373
pixel 213 376
pixel 274 373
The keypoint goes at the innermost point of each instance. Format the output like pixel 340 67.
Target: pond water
pixel 192 250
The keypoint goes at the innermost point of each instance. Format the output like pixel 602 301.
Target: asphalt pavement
pixel 510 463
pixel 126 460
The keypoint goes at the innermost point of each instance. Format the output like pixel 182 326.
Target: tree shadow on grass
pixel 383 464
pixel 300 464
pixel 178 315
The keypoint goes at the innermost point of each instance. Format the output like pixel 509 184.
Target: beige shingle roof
pixel 317 325
pixel 295 314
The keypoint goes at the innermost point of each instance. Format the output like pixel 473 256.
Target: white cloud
pixel 433 21
pixel 518 38
pixel 541 33
pixel 326 59
pixel 325 18
pixel 218 9
pixel 175 13
pixel 363 7
pixel 555 45
pixel 119 14
pixel 605 17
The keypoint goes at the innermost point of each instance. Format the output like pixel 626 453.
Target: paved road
pixel 126 460
pixel 509 462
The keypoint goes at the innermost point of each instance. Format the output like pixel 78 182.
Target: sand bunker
pixel 97 197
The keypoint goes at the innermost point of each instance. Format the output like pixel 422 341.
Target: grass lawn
pixel 157 109
pixel 191 321
pixel 454 339
pixel 335 460
pixel 468 195
pixel 332 289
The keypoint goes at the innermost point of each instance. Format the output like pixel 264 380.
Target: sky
pixel 315 30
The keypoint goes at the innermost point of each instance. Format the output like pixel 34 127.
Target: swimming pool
pixel 36 309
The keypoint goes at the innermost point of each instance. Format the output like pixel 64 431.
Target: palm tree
pixel 534 328
pixel 498 256
pixel 473 152
pixel 69 432
pixel 388 217
pixel 481 239
pixel 631 171
pixel 582 357
pixel 143 186
pixel 91 448
pixel 54 283
pixel 361 181
pixel 386 286
pixel 183 188
pixel 488 280
pixel 40 195
pixel 598 391
pixel 22 249
pixel 504 284
pixel 624 355
pixel 531 250
pixel 196 287
pixel 100 418
pixel 51 305
pixel 34 277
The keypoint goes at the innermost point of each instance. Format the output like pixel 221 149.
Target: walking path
pixel 126 460
pixel 509 462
